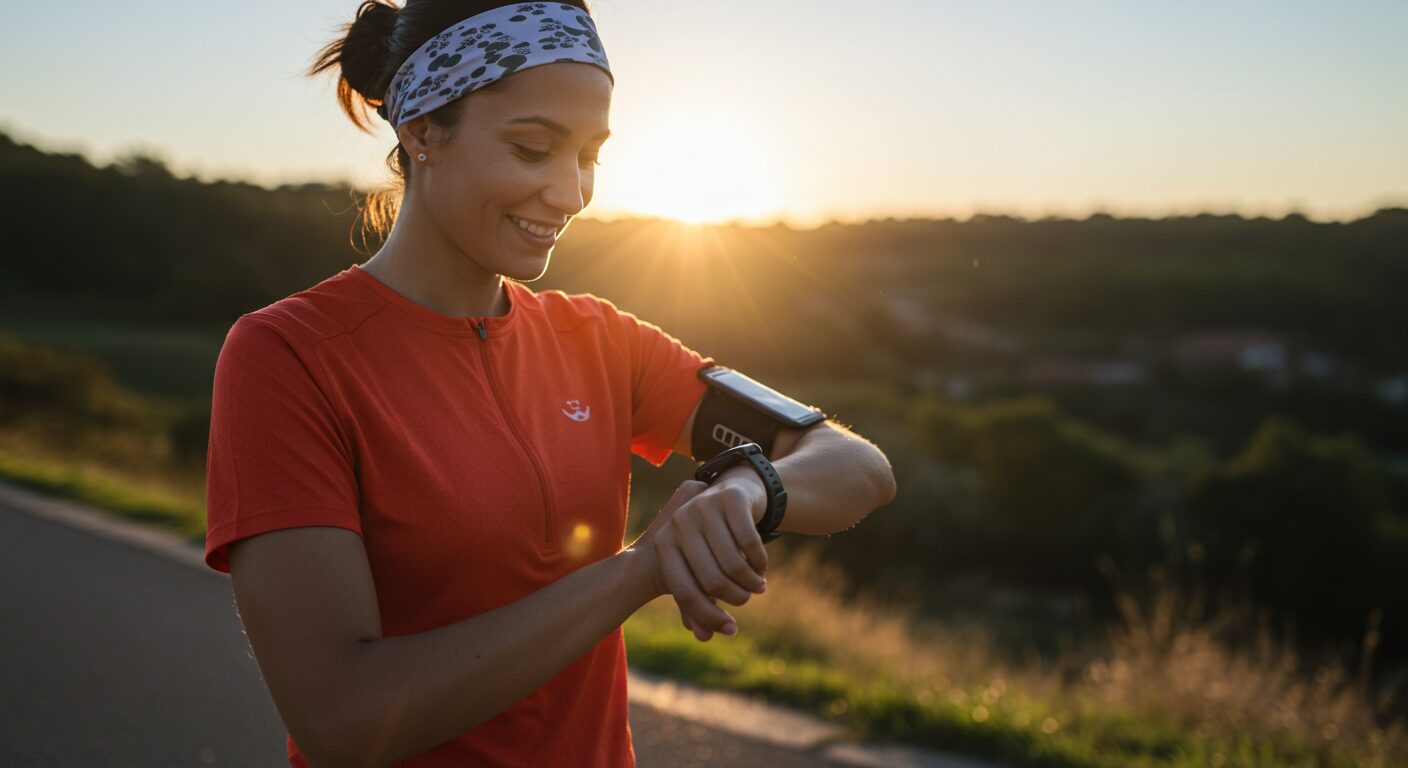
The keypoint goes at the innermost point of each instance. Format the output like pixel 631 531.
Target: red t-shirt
pixel 477 469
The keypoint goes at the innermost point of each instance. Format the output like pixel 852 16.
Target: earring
pixel 421 157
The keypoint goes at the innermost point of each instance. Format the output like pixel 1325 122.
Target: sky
pixel 798 111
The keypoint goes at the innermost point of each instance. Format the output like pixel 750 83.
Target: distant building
pixel 1393 390
pixel 958 387
pixel 1275 355
pixel 1316 365
pixel 1248 350
pixel 1118 372
pixel 911 314
pixel 969 333
pixel 1066 372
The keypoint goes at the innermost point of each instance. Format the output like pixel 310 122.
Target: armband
pixel 738 410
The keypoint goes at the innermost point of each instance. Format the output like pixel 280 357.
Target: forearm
pixel 834 478
pixel 413 692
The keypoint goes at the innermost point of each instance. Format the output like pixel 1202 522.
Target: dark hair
pixel 373 46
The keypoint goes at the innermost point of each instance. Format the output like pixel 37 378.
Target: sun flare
pixel 697 167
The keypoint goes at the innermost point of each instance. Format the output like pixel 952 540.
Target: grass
pixel 154 499
pixel 1166 688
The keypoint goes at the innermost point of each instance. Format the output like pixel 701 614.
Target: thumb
pixel 686 491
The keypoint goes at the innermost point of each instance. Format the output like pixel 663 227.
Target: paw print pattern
pixel 436 44
pixel 496 44
pixel 444 60
pixel 569 35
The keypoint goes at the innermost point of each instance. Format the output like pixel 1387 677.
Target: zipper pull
pixel 483 334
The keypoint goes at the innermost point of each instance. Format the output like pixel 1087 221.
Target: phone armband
pixel 738 410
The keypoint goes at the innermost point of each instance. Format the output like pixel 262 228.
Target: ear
pixel 415 135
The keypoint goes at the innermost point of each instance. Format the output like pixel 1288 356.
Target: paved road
pixel 111 654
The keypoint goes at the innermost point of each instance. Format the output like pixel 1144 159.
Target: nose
pixel 570 189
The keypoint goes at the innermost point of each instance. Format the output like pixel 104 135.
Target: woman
pixel 419 467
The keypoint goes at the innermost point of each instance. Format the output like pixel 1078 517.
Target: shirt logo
pixel 577 412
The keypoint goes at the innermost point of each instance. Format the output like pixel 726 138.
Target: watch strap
pixel 752 455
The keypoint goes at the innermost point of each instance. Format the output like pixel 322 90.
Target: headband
pixel 489 47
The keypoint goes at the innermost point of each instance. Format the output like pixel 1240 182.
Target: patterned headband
pixel 489 47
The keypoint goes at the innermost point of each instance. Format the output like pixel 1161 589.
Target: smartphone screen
pixel 777 404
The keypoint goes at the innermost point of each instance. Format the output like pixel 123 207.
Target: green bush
pixel 1054 495
pixel 64 392
pixel 1299 520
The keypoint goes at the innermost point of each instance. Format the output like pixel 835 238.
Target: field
pixel 1163 687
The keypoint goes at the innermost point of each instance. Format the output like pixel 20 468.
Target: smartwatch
pixel 752 455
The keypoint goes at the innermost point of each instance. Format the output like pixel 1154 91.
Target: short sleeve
pixel 665 386
pixel 278 457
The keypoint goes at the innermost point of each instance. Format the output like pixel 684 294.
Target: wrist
pixel 745 477
pixel 642 569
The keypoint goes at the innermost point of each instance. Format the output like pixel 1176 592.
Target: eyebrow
pixel 555 127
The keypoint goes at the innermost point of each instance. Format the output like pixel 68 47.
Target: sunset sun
pixel 696 167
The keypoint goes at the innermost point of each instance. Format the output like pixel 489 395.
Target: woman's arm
pixel 350 697
pixel 833 477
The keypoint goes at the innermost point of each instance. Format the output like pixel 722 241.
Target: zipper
pixel 513 427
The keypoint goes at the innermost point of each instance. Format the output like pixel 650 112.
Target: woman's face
pixel 528 153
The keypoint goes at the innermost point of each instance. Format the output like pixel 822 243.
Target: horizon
pixel 1386 202
pixel 618 217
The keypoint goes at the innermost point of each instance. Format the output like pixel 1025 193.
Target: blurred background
pixel 1119 290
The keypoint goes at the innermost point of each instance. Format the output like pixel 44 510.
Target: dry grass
pixel 1214 670
pixel 803 614
pixel 138 459
pixel 1167 660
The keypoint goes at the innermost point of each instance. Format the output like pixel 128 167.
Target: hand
pixel 706 547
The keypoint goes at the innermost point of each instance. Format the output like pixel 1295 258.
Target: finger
pixel 725 544
pixel 700 634
pixel 707 573
pixel 748 540
pixel 688 594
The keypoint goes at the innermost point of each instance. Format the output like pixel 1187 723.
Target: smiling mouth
pixel 537 230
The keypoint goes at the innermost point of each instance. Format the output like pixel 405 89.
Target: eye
pixel 534 156
pixel 530 155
